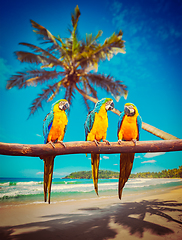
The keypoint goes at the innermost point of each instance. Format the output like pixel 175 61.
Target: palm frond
pixel 37 103
pixel 91 41
pixel 43 76
pixel 37 49
pixel 75 16
pixel 43 32
pixel 88 89
pixel 63 50
pixel 86 103
pixel 16 80
pixel 32 77
pixel 69 94
pixel 96 52
pixel 85 99
pixel 111 46
pixel 74 41
pixel 45 58
pixel 30 57
pixel 56 90
pixel 116 88
pixel 46 36
pixel 84 56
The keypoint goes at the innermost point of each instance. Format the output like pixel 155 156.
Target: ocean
pixel 30 190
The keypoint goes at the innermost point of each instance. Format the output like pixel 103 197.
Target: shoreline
pixel 63 197
pixel 148 215
pixel 90 195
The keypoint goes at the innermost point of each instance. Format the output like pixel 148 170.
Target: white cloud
pixel 39 173
pixel 38 135
pixel 154 154
pixel 105 157
pixel 149 161
pixel 115 164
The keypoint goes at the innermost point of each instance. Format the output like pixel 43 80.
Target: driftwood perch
pixel 42 150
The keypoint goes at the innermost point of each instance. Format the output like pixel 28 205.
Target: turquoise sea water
pixel 30 190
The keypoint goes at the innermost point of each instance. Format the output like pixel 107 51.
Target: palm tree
pixel 70 64
pixel 70 61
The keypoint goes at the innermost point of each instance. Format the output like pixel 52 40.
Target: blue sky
pixel 151 68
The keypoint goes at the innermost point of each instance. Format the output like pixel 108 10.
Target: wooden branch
pixel 42 150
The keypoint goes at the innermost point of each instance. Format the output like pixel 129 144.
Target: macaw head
pixel 109 104
pixel 60 105
pixel 130 110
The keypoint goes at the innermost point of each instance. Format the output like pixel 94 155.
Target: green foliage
pixel 88 174
pixel 170 173
pixel 106 174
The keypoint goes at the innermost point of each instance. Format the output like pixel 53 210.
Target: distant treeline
pixel 88 174
pixel 170 173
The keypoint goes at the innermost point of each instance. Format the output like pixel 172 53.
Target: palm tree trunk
pixel 157 132
pixel 153 130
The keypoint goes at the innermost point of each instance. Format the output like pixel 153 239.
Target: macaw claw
pixel 134 141
pixel 106 141
pixel 61 143
pixel 52 144
pixel 119 141
pixel 96 142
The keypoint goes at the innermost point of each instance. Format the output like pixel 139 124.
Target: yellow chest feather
pixel 129 129
pixel 99 129
pixel 58 126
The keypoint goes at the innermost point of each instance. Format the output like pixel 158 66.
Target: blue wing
pixel 89 122
pixel 47 125
pixel 139 124
pixel 121 117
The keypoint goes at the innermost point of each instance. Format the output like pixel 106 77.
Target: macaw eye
pixel 64 105
pixel 61 104
pixel 129 110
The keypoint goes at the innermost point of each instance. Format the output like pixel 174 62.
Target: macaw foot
pixel 96 142
pixel 134 141
pixel 106 141
pixel 52 144
pixel 61 143
pixel 119 141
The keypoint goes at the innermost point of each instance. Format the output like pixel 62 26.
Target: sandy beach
pixel 152 215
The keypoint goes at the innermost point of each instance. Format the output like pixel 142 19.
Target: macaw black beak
pixel 129 111
pixel 111 106
pixel 66 106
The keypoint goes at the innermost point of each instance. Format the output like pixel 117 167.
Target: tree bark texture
pixel 42 150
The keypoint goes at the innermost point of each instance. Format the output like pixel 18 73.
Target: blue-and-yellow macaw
pixel 54 128
pixel 96 126
pixel 129 126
